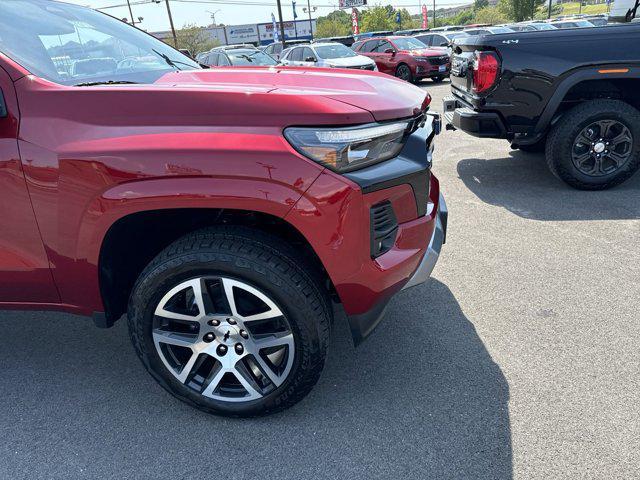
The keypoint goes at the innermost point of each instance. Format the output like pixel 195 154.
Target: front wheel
pixel 403 72
pixel 595 145
pixel 229 321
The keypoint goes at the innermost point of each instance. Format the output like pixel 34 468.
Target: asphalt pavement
pixel 519 359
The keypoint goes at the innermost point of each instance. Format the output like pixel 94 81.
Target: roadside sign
pixel 343 4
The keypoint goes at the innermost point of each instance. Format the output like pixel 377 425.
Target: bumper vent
pixel 384 228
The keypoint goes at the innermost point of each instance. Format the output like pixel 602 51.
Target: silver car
pixel 333 55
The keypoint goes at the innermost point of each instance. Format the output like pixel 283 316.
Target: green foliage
pixel 490 15
pixel 336 24
pixel 377 18
pixel 519 10
pixel 478 4
pixel 194 38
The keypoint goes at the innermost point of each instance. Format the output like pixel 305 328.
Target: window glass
pixel 382 46
pixel 72 45
pixel 306 53
pixel 408 43
pixel 334 51
pixel 296 55
pixel 369 46
pixel 247 57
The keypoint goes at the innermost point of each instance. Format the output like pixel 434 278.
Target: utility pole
pixel 549 12
pixel 281 25
pixel 133 22
pixel 173 29
pixel 310 23
pixel 434 13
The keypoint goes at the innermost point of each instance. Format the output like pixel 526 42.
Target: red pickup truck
pixel 224 211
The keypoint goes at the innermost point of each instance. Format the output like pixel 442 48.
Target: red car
pixel 223 211
pixel 406 57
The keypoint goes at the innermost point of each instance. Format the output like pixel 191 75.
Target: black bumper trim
pixel 478 124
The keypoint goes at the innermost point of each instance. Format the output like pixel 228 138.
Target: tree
pixel 195 39
pixel 377 18
pixel 520 10
pixel 478 4
pixel 336 24
pixel 490 15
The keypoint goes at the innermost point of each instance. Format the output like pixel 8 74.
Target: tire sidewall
pixel 159 281
pixel 560 143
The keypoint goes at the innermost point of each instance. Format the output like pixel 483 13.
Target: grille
pixel 384 228
pixel 439 60
pixel 362 67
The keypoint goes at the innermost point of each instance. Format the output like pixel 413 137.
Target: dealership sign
pixel 351 3
pixel 242 34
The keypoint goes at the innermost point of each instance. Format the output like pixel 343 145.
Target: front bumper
pixel 460 115
pixel 363 324
pixel 438 238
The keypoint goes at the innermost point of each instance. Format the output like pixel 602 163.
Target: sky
pixel 230 12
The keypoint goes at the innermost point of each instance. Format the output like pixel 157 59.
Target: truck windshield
pixel 73 45
pixel 408 43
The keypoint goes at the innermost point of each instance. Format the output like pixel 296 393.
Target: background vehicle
pixel 222 210
pixel 333 55
pixel 580 105
pixel 572 24
pixel 380 33
pixel 487 30
pixel 275 49
pixel 406 57
pixel 347 40
pixel 530 26
pixel 237 56
pixel 440 39
pixel 412 32
pixel 448 28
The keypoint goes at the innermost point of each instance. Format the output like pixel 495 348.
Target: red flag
pixel 354 21
pixel 425 18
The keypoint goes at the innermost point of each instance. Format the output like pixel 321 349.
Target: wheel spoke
pixel 197 292
pixel 580 159
pixel 605 127
pixel 243 376
pixel 618 158
pixel 173 338
pixel 216 377
pixel 622 137
pixel 272 312
pixel 186 369
pixel 274 341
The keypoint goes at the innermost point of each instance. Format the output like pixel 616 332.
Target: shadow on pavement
pixel 422 398
pixel 523 184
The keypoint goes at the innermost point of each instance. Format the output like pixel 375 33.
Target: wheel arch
pixel 600 82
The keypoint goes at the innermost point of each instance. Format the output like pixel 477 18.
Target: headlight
pixel 422 59
pixel 350 148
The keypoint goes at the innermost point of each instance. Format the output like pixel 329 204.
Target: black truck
pixel 574 94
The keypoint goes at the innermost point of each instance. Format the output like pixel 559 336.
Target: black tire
pixel 403 72
pixel 262 261
pixel 437 79
pixel 562 138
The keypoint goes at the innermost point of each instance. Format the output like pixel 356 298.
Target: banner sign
pixel 354 22
pixel 425 18
pixel 342 4
pixel 242 34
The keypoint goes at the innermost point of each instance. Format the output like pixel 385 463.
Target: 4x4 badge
pixel 510 41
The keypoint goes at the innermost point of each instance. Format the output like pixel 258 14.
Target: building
pixel 256 34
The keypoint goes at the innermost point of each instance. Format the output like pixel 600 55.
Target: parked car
pixel 233 56
pixel 411 32
pixel 487 30
pixel 579 105
pixel 347 40
pixel 406 57
pixel 223 210
pixel 379 33
pixel 275 49
pixel 530 26
pixel 597 21
pixel 334 55
pixel 443 39
pixel 448 28
pixel 572 24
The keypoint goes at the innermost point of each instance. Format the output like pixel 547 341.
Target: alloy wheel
pixel 403 73
pixel 602 147
pixel 223 338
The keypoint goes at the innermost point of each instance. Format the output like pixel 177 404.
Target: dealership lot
pixel 519 359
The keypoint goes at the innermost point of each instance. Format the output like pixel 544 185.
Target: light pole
pixel 213 16
pixel 281 25
pixel 549 11
pixel 434 13
pixel 173 29
pixel 133 22
pixel 309 10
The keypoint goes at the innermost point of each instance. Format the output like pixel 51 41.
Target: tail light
pixel 485 71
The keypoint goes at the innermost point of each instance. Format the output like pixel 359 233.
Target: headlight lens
pixel 347 149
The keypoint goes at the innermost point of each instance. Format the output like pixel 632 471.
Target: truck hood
pixel 383 96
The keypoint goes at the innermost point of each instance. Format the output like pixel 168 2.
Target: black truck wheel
pixel 230 321
pixel 595 145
